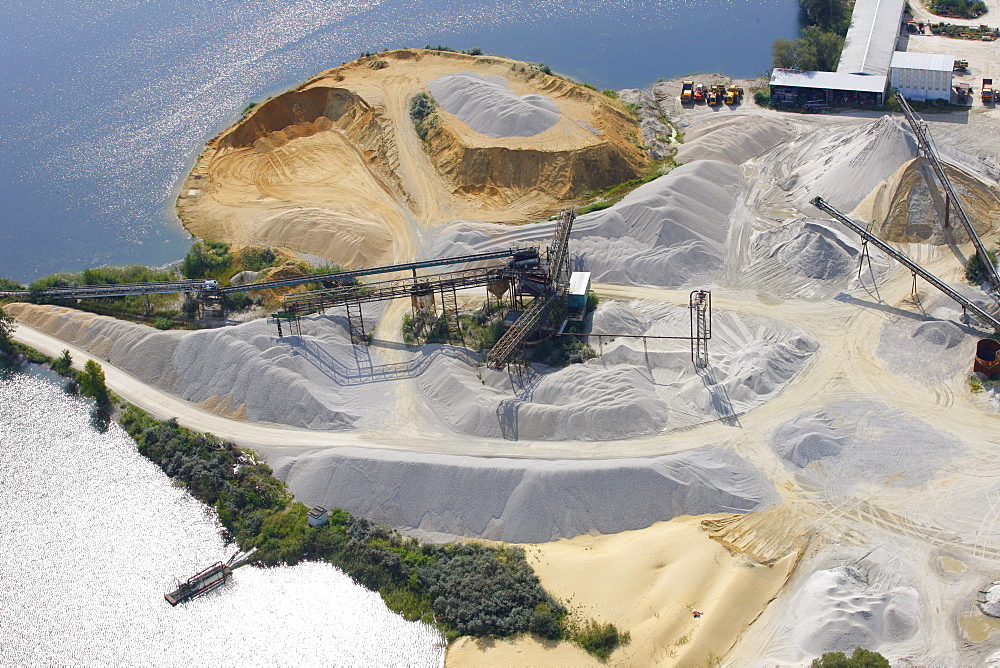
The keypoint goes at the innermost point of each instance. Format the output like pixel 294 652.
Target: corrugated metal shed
pixel 923 61
pixel 871 39
pixel 829 80
pixel 579 281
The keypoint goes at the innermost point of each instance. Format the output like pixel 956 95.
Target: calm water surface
pixel 92 535
pixel 107 102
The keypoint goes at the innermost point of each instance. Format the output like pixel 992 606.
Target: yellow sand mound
pixel 916 207
pixel 335 166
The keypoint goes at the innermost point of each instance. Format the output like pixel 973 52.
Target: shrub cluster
pixel 206 258
pixel 966 9
pixel 975 271
pixel 422 114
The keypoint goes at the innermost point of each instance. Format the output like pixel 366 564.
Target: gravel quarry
pixel 833 442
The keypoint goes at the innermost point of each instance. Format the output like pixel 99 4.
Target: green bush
pixel 63 364
pixel 7 327
pixel 10 284
pixel 599 639
pixel 966 9
pixel 422 113
pixel 861 658
pixel 206 259
pixel 975 271
pixel 481 591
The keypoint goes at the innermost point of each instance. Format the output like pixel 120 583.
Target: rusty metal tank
pixel 986 357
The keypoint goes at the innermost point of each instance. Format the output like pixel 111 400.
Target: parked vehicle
pixel 687 91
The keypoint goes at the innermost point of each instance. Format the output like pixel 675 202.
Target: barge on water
pixel 202 583
pixel 211 578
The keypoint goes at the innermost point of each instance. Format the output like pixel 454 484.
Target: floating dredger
pixel 208 579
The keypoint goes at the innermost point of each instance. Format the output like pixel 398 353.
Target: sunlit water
pixel 106 103
pixel 92 535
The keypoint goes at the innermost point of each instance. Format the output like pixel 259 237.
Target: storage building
pixel 922 76
pixel 862 76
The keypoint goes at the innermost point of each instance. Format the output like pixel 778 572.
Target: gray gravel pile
pixel 518 500
pixel 857 442
pixel 490 107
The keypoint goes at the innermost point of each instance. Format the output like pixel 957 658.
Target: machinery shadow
pixel 721 402
pixel 364 371
pixel 508 408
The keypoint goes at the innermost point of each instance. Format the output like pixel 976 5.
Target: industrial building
pixel 922 76
pixel 868 66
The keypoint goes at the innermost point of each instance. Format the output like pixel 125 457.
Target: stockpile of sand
pixel 937 346
pixel 852 443
pixel 916 207
pixel 518 500
pixel 667 233
pixel 837 610
pixel 629 391
pixel 732 138
pixel 811 248
pixel 845 165
pixel 488 105
pixel 243 371
pixel 670 232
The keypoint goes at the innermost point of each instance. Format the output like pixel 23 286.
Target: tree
pixel 862 658
pixel 93 385
pixel 784 53
pixel 816 50
pixel 827 14
pixel 7 328
pixel 63 364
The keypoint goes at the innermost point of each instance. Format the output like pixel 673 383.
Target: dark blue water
pixel 106 102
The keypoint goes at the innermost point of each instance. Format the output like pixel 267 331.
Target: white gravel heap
pixel 732 138
pixel 937 346
pixel 670 232
pixel 244 370
pixel 519 500
pixel 844 167
pixel 490 107
pixel 853 443
pixel 837 610
pixel 630 390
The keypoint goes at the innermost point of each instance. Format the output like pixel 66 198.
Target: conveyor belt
pixel 907 262
pixel 924 140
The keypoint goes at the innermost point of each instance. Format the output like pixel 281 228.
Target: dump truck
pixel 687 91
pixel 699 92
pixel 963 92
pixel 988 95
pixel 734 95
pixel 715 94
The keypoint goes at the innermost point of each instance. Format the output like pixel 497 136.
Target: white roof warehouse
pixel 868 59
